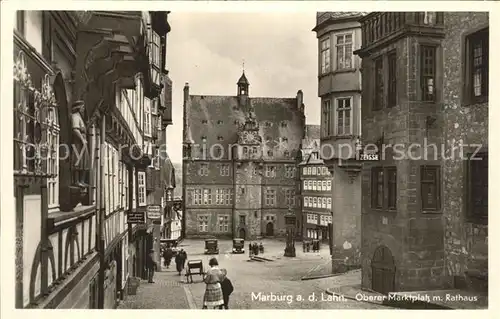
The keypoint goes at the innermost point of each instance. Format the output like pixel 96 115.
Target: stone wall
pixel 466 244
pixel 346 201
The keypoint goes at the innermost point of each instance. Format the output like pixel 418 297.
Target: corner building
pixel 339 87
pixel 239 166
pixel 424 212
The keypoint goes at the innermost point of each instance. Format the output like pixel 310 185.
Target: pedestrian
pixel 180 260
pixel 184 258
pixel 167 256
pixel 213 297
pixel 151 265
pixel 227 289
pixel 250 249
pixel 261 248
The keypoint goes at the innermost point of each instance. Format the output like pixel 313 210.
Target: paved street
pixel 258 285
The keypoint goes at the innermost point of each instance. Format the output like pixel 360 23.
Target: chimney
pixel 300 99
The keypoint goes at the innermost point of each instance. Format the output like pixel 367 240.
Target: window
pixel 329 185
pixel 478 62
pixel 315 202
pixel 284 124
pixel 228 196
pixel 429 188
pixel 392 89
pixel 284 139
pixel 155 53
pixel 290 197
pixel 224 223
pixel 286 154
pixel 314 170
pixel 314 185
pixel 327 119
pixel 270 171
pixel 203 223
pixel 325 186
pixel 329 203
pixel 290 172
pixel 203 171
pixel 197 197
pixel 204 121
pixel 207 196
pixel 220 122
pixel 344 51
pixel 325 56
pixel 219 196
pixel 477 187
pixel 141 186
pixel 220 138
pixel 224 170
pixel 377 187
pixel 147 117
pixel 30 24
pixel 392 189
pixel 378 103
pixel 428 72
pixel 270 197
pixel 305 185
pixel 269 153
pixel 306 201
pixel 243 220
pixel 344 116
pixel 268 124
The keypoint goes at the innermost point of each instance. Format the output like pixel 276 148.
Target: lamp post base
pixel 290 251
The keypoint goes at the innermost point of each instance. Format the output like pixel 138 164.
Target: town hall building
pixel 239 163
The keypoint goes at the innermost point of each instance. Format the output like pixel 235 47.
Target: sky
pixel 207 50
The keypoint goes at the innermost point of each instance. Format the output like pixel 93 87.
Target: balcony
pixel 381 27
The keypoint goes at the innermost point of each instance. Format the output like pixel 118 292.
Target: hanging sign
pixel 154 211
pixel 136 218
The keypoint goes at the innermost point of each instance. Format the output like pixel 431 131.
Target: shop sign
pixel 154 211
pixel 136 218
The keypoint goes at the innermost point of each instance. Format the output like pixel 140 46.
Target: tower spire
pixel 243 65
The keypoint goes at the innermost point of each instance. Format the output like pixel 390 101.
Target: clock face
pixel 248 137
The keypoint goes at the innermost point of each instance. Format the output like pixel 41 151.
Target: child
pixel 227 289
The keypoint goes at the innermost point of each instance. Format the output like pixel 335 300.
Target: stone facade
pixel 416 240
pixel 230 182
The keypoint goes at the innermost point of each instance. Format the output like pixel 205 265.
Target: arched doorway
pixel 383 270
pixel 242 233
pixel 270 229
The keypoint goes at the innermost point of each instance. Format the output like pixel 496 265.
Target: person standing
pixel 180 260
pixel 227 289
pixel 150 265
pixel 167 256
pixel 213 297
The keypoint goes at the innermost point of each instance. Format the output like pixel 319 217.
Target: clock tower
pixel 248 171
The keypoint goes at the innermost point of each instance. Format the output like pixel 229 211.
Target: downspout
pixel 235 192
pixel 101 213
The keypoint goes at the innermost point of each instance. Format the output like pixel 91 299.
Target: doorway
pixel 270 229
pixel 242 233
pixel 383 270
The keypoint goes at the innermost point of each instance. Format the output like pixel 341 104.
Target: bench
pixel 194 267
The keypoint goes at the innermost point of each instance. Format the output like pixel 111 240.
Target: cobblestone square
pixel 273 284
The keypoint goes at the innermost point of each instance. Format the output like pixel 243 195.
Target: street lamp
pixel 290 221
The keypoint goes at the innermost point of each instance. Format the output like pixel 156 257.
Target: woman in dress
pixel 213 297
